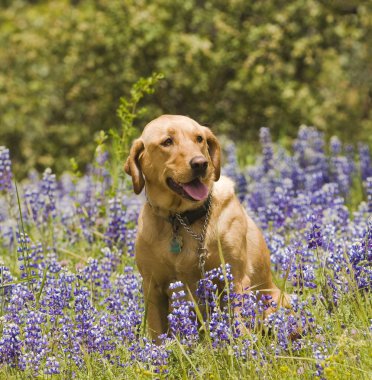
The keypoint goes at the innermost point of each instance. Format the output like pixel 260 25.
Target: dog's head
pixel 177 159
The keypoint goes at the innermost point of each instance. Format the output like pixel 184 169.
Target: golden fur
pixel 150 163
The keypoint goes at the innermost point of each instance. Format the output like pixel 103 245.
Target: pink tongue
pixel 196 190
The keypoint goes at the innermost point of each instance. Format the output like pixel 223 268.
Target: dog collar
pixel 185 220
pixel 191 216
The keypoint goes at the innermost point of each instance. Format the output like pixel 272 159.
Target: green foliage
pixel 128 113
pixel 237 65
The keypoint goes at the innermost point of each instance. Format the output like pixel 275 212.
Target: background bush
pixel 236 65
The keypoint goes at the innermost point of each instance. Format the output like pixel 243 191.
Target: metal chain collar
pixel 200 238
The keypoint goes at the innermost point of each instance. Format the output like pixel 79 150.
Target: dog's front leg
pixel 156 303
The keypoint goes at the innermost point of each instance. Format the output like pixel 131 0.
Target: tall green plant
pixel 128 112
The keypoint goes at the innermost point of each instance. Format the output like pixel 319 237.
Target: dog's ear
pixel 214 150
pixel 132 165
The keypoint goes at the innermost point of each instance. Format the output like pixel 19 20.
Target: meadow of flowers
pixel 71 303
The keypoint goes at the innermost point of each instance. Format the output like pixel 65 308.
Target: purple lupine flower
pixel 100 338
pixel 52 366
pixel 6 175
pixel 40 199
pixel 125 305
pixel 283 325
pixel 365 161
pixel 86 223
pixel 320 353
pixel 85 314
pixel 5 278
pixel 20 298
pixel 252 307
pixel 309 142
pixel 87 205
pixel 31 197
pixel 350 154
pixel 91 272
pixel 101 157
pixel 116 230
pixel 35 341
pixel 91 333
pixel 341 167
pixel 10 345
pixel 52 263
pixel 267 149
pixel 207 292
pixel 69 341
pixel 47 194
pixel 368 187
pixel 305 277
pixel 152 356
pixel 220 329
pixel 182 320
pixel 218 310
pixel 245 351
pixel 57 294
pixel 130 241
pixel 231 170
pixel 314 180
pixel 30 257
pixel 280 207
pixel 108 264
pixel 335 145
pixel 231 166
pixel 207 289
pixel 99 271
pixel 23 250
pixel 314 236
pixel 287 324
pixel 360 255
pixel 8 228
pixel 241 186
pixel 309 153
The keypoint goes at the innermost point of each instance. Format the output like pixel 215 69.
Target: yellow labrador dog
pixel 189 210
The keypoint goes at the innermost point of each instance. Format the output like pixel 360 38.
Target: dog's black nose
pixel 199 165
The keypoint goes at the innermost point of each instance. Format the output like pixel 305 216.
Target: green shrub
pixel 236 65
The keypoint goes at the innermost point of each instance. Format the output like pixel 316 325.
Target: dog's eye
pixel 167 142
pixel 199 139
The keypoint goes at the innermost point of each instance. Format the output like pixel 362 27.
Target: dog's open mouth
pixel 194 190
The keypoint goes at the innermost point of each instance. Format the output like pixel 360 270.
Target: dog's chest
pixel 158 257
pixel 178 251
pixel 174 248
